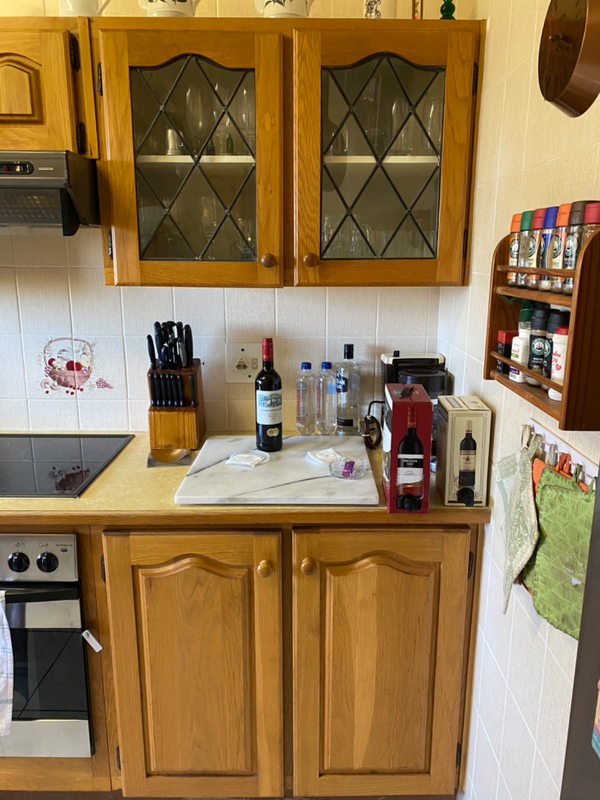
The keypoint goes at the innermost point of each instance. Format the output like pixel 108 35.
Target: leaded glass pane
pixel 194 127
pixel 382 132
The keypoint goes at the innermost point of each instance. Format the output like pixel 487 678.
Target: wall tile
pixel 14 415
pixel 434 312
pixel 103 415
pixel 460 317
pixel 485 771
pixel 142 307
pixel 351 311
pixel 9 307
pixel 44 301
pixel 203 309
pixel 240 415
pixel 496 44
pixel 12 377
pixel 477 324
pixel 564 649
pixel 456 366
pixel 94 306
pixel 40 382
pixel 212 354
pixel 554 717
pixel 498 626
pixel 508 203
pixel 473 376
pixel 85 248
pixel 107 381
pixel 574 174
pixel 35 247
pixel 447 295
pixel 522 34
pixel 527 656
pixel 514 119
pixel 137 365
pixel 216 415
pixel 53 415
pixel 542 785
pixel 503 793
pixel 138 415
pixel 518 749
pixel 492 699
pixel 401 311
pixel 7 253
pixel 250 314
pixel 301 311
pixel 482 236
pixel 488 147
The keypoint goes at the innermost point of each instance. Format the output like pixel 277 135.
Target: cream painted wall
pixel 530 155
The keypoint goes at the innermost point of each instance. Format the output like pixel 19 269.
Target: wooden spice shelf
pixel 522 368
pixel 578 408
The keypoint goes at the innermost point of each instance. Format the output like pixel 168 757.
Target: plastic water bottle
pixel 305 400
pixel 326 400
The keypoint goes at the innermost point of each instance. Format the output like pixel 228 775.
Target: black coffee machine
pixel 428 369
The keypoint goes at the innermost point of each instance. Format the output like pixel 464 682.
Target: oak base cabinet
pixel 196 645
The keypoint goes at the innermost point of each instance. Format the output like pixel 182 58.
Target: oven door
pixel 51 709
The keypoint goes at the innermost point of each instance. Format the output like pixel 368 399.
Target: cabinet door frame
pixel 422 44
pixel 120 49
pixel 123 552
pixel 450 549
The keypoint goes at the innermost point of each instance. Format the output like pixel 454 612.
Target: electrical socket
pixel 244 361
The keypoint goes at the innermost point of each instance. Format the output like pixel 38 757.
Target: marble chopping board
pixel 288 478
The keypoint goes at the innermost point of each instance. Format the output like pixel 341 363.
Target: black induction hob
pixel 54 465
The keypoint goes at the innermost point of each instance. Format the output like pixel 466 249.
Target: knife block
pixel 178 426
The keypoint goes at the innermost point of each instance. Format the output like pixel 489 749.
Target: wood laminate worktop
pixel 128 492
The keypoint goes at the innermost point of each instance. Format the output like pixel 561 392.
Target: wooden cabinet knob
pixel 310 260
pixel 308 566
pixel 268 260
pixel 265 568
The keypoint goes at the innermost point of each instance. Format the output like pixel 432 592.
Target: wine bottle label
pixel 341 384
pixel 410 469
pixel 272 432
pixel 269 407
pixel 467 461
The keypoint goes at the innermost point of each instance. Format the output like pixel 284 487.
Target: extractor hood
pixel 48 188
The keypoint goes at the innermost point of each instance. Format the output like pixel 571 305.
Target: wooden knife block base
pixel 180 426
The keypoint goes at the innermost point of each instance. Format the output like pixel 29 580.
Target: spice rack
pixel 579 408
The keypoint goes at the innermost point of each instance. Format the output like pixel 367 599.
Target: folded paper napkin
pixel 322 456
pixel 247 459
pixel 6 671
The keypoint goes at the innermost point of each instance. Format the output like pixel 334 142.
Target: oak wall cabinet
pixel 46 86
pixel 257 152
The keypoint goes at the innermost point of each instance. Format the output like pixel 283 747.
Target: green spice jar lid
pixel 526 220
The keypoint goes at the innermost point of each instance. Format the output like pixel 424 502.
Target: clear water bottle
pixel 326 400
pixel 348 393
pixel 305 400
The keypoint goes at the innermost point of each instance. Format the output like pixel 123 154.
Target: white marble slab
pixel 287 479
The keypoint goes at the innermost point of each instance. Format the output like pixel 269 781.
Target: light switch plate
pixel 244 361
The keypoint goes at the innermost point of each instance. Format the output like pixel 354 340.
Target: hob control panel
pixel 32 557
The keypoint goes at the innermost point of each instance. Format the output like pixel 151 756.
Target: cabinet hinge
pixel 471 562
pixel 465 242
pixel 118 757
pixel 74 53
pixel 110 249
pixel 102 568
pixel 81 137
pixel 475 77
pixel 458 754
pixel 99 76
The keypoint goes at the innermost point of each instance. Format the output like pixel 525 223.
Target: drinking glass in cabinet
pixel 382 135
pixel 194 126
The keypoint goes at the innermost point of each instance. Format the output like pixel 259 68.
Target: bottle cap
pixel 592 214
pixel 577 215
pixel 550 217
pixel 526 220
pixel 348 351
pixel 267 349
pixel 558 318
pixel 554 395
pixel 562 330
pixel 562 220
pixel 515 225
pixel 466 496
pixel 538 219
pixel 326 365
pixel 306 365
pixel 525 315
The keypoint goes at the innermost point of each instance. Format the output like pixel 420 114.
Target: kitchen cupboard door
pixel 383 117
pixel 37 90
pixel 193 155
pixel 196 646
pixel 379 625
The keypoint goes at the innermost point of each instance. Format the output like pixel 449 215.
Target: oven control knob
pixel 18 562
pixel 47 562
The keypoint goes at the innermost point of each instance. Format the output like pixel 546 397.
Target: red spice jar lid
pixel 562 331
pixel 592 214
pixel 515 225
pixel 538 219
pixel 562 219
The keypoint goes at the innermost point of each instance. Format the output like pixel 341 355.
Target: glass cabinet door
pixel 391 174
pixel 198 171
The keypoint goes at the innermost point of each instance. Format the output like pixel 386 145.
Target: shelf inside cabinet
pixel 405 166
pixel 183 159
pixel 533 394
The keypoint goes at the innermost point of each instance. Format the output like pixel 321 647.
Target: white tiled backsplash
pixel 52 288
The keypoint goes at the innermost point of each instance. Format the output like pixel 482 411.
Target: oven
pixel 51 704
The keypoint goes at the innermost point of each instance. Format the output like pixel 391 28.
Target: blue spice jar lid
pixel 550 217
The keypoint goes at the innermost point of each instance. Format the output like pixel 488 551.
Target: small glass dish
pixel 347 469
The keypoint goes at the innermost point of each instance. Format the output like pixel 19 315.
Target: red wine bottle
pixel 468 458
pixel 269 403
pixel 409 477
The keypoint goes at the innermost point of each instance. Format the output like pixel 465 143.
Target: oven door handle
pixel 41 595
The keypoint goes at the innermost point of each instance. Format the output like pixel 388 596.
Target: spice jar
pixel 520 344
pixel 592 221
pixel 558 244
pixel 559 359
pixel 513 248
pixel 573 243
pixel 545 251
pixel 535 245
pixel 525 245
pixel 556 320
pixel 538 343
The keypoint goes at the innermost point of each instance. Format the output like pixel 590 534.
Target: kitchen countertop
pixel 129 493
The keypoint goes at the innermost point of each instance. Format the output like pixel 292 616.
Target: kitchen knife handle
pixel 181 354
pixel 180 388
pixel 189 344
pixel 163 391
pixel 153 400
pixel 171 400
pixel 164 356
pixel 151 352
pixel 193 390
